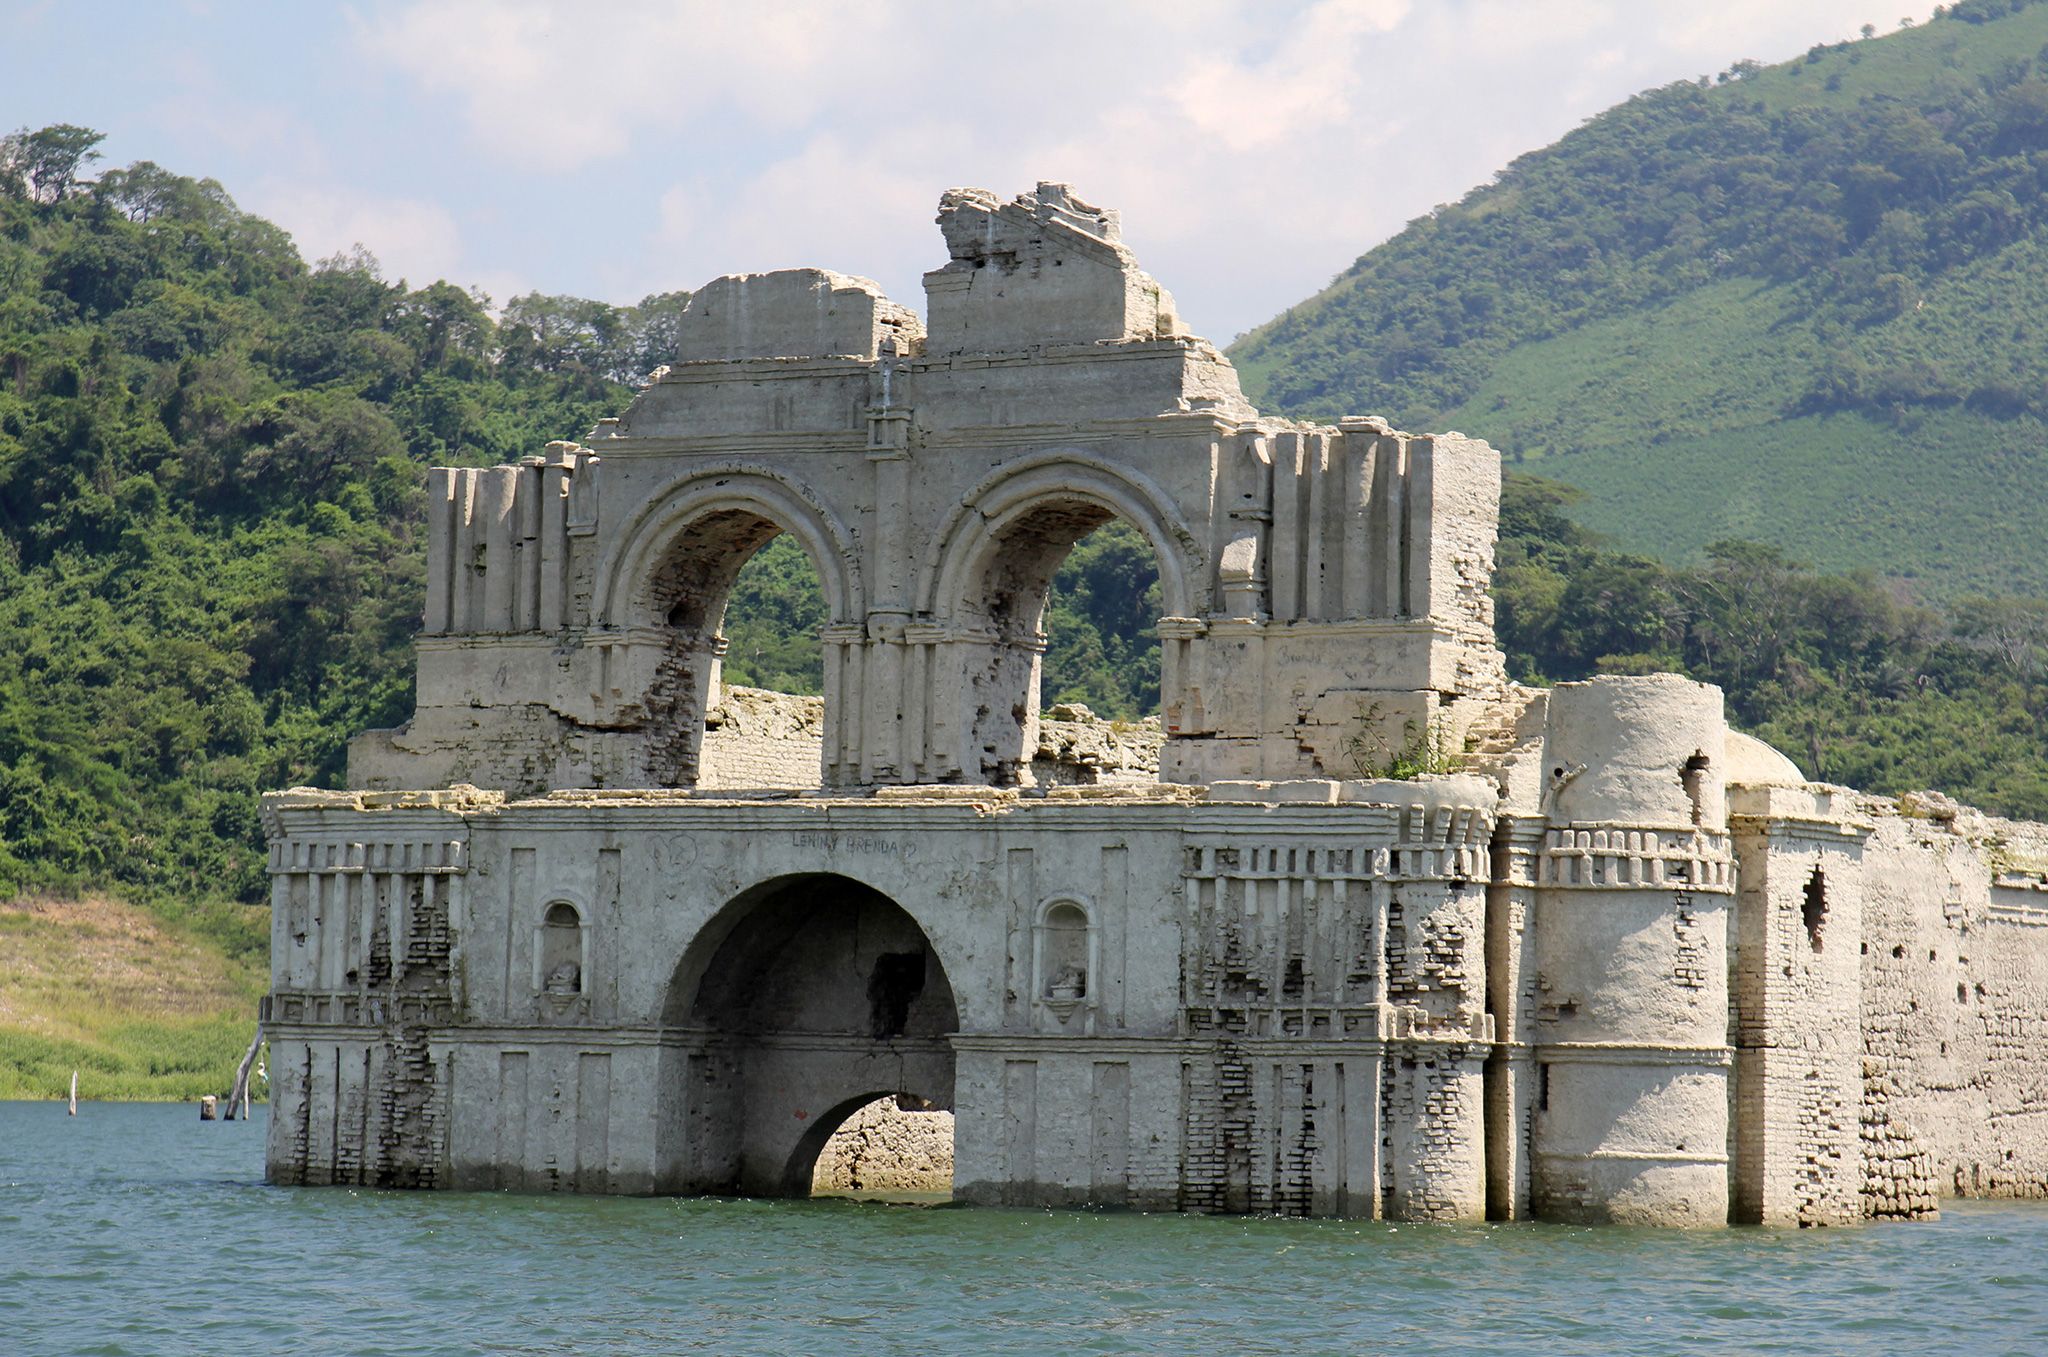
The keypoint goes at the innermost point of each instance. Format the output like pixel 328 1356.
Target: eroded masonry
pixel 592 921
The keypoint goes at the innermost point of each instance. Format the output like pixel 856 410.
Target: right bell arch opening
pixel 1005 619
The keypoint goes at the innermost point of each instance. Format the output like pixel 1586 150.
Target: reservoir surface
pixel 138 1229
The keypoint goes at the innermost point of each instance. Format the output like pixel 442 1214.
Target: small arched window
pixel 560 953
pixel 1064 959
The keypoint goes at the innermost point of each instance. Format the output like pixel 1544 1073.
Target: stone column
pixel 554 539
pixel 1355 460
pixel 495 502
pixel 881 756
pixel 463 585
pixel 1798 985
pixel 526 506
pixel 1632 897
pixel 442 524
pixel 844 654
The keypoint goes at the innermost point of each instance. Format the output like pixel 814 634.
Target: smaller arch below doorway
pixel 893 1147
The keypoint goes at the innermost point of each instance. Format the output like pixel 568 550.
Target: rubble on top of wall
pixel 755 728
pixel 767 714
pixel 2015 848
pixel 1075 746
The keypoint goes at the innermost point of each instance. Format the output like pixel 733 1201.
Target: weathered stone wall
pixel 362 979
pixel 757 738
pixel 1954 1004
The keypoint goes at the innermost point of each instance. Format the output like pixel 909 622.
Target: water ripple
pixel 139 1230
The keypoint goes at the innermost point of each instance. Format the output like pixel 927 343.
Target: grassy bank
pixel 140 1008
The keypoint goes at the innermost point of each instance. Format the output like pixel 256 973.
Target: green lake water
pixel 136 1228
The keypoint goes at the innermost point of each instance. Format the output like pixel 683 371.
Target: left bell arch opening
pixel 715 559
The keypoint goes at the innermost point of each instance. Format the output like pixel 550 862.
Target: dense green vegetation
pixel 1857 684
pixel 1800 304
pixel 210 475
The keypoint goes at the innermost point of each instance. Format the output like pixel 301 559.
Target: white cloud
pixel 1255 148
pixel 1305 86
pixel 558 85
pixel 412 239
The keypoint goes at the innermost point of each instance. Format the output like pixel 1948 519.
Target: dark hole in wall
pixel 1543 1088
pixel 897 980
pixel 1693 777
pixel 1815 911
pixel 1293 983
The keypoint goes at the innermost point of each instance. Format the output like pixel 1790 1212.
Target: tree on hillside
pixel 43 165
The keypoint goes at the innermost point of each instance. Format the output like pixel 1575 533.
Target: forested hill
pixel 1805 304
pixel 211 476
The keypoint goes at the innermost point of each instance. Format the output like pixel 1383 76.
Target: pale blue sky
pixel 616 149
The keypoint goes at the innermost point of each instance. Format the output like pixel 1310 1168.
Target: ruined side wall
pixel 1954 1005
pixel 1339 985
pixel 1794 961
pixel 758 738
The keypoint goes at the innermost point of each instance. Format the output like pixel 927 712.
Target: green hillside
pixel 1804 304
pixel 211 471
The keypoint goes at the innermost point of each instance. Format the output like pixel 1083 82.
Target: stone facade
pixel 591 921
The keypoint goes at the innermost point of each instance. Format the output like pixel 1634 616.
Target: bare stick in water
pixel 238 1097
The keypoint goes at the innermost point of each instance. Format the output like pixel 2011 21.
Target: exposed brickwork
pixel 363 1099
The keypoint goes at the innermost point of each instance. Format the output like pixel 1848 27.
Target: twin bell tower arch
pixel 1323 587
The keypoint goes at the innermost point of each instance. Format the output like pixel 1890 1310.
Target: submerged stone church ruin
pixel 593 922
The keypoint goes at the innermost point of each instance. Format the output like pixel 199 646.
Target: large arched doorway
pixel 687 591
pixel 806 997
pixel 1007 607
pixel 987 589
